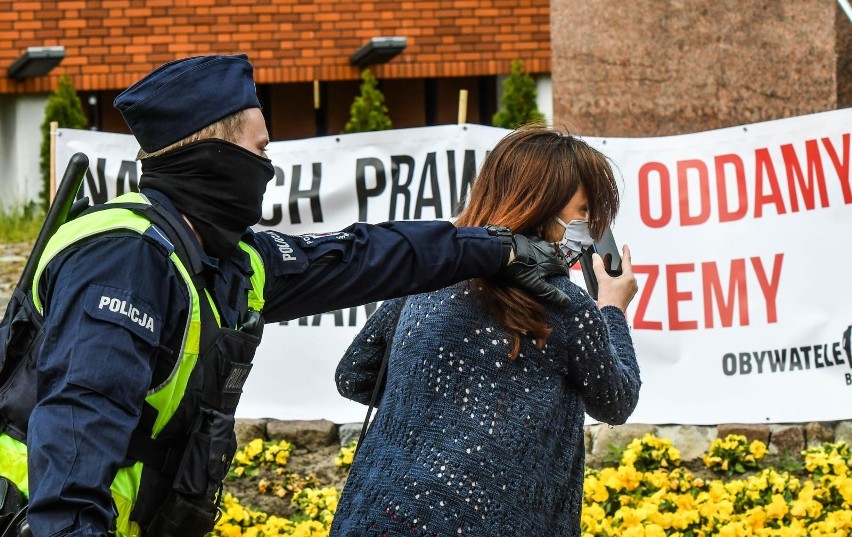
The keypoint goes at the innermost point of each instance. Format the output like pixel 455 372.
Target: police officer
pixel 127 436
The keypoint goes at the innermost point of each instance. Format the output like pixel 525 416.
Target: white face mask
pixel 575 239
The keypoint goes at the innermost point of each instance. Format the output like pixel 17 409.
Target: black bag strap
pixel 153 453
pixel 382 378
pixel 12 502
pixel 18 526
pixel 175 230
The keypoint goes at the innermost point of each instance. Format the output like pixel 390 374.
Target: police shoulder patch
pixel 309 240
pixel 123 308
pixel 156 235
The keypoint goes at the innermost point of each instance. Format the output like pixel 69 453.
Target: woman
pixel 480 428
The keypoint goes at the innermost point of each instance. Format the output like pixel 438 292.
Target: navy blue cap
pixel 184 96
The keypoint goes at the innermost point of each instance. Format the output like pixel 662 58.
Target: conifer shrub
pixel 64 107
pixel 518 106
pixel 368 111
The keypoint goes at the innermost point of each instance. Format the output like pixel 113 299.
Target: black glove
pixel 534 261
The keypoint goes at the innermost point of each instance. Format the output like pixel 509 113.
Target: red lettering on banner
pixel 763 164
pixel 726 214
pixel 802 169
pixel 675 297
pixel 731 306
pixel 841 166
pixel 737 292
pixel 795 176
pixel 683 168
pixel 665 195
pixel 639 322
pixel 769 287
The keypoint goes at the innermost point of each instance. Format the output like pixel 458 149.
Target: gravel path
pixel 12 259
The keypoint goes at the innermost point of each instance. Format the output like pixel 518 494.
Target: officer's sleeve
pixel 109 305
pixel 309 274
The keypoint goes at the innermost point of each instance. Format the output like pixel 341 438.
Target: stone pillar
pixel 679 66
pixel 844 60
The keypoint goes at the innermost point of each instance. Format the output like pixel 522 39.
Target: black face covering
pixel 218 185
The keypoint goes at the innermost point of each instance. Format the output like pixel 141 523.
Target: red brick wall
pixel 112 43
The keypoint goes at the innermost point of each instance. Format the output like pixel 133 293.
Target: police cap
pixel 182 97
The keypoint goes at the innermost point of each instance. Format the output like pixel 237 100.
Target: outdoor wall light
pixel 36 61
pixel 378 50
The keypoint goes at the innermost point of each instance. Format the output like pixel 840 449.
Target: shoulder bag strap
pixel 382 378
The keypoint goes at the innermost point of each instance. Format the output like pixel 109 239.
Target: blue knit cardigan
pixel 467 442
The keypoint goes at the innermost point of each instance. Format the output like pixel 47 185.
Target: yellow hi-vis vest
pixel 165 398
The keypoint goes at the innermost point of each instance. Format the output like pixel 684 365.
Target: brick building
pixel 300 49
pixel 618 68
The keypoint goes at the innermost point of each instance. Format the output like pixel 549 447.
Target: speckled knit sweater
pixel 467 442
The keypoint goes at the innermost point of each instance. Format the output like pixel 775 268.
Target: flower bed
pixel 646 492
pixel 663 499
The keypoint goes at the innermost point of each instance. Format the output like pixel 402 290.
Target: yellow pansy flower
pixel 653 530
pixel 777 508
pixel 757 449
pixel 628 458
pixel 254 448
pixel 756 518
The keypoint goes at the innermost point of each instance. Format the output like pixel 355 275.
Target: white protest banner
pixel 321 184
pixel 737 239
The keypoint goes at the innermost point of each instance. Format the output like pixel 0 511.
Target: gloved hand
pixel 535 260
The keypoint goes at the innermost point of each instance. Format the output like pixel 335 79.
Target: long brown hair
pixel 524 183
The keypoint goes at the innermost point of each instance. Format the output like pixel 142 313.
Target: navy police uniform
pixel 94 371
pixel 116 307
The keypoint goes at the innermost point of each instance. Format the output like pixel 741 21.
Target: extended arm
pixel 364 263
pixel 367 263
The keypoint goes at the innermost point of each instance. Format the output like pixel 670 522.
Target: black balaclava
pixel 218 185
